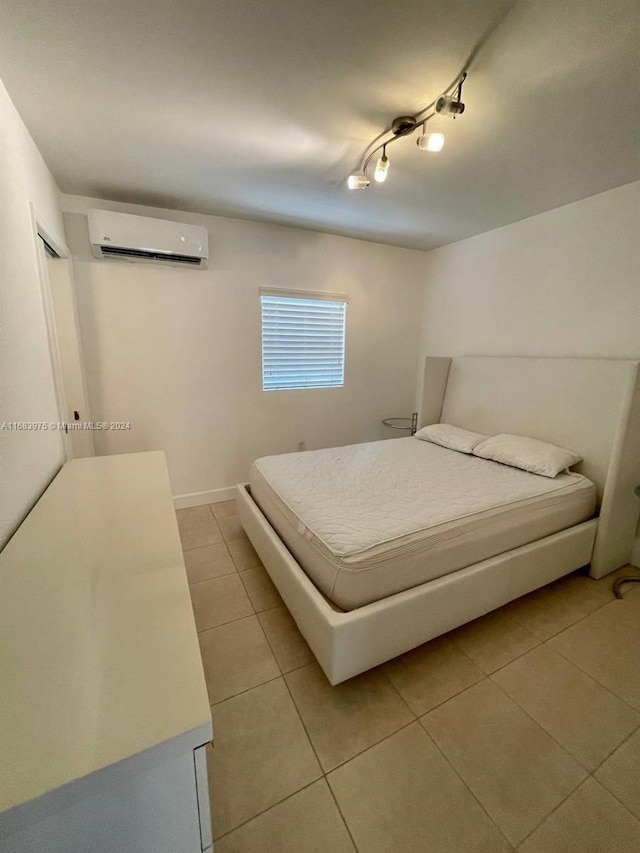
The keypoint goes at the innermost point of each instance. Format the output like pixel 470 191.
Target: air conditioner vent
pixel 118 252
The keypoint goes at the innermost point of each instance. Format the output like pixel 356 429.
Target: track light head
pixel 431 142
pixel 382 168
pixel 358 181
pixel 447 105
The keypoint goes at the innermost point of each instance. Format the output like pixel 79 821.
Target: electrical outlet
pixel 302 445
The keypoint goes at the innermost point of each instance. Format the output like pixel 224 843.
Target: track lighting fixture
pixel 448 104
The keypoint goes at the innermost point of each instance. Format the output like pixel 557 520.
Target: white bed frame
pixel 590 405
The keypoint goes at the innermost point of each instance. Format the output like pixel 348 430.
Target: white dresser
pixel 103 705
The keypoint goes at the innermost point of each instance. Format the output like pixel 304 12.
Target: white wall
pixel 564 283
pixel 28 460
pixel 177 351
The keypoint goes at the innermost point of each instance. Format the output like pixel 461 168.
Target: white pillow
pixel 453 437
pixel 530 454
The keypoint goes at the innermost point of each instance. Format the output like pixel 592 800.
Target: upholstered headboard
pixel 590 405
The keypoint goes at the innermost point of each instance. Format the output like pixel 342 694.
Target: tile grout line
pixel 265 811
pixel 542 728
pixel 214 578
pixel 254 687
pixel 344 820
pixel 478 667
pixel 567 627
pixel 295 668
pixel 273 654
pixel 597 680
pixel 211 506
pixel 246 589
pixel 402 699
pixel 282 606
pixel 371 746
pixel 246 592
pixel 615 749
pixel 230 621
pixel 207 545
pixel 455 772
pixel 453 768
pixel 245 690
pixel 616 798
pixel 356 754
pixel 256 616
pixel 555 809
pixel 580 619
pixel 510 618
pixel 322 770
pixel 448 699
pixel 236 572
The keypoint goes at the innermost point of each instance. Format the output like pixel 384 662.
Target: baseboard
pixel 214 496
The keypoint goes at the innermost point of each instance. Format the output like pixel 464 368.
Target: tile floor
pixel 520 731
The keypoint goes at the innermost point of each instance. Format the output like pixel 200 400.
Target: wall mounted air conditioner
pixel 138 238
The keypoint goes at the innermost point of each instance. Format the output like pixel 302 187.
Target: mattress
pixel 369 520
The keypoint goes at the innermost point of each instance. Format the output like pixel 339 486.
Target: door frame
pixel 42 230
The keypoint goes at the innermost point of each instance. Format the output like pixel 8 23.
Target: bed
pixel 389 564
pixel 369 520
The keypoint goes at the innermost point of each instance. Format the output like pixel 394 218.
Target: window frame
pixel 312 296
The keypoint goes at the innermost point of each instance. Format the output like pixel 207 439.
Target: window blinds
pixel 302 341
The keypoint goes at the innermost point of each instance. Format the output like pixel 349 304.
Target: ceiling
pixel 260 109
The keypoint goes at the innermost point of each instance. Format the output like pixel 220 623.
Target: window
pixel 303 337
